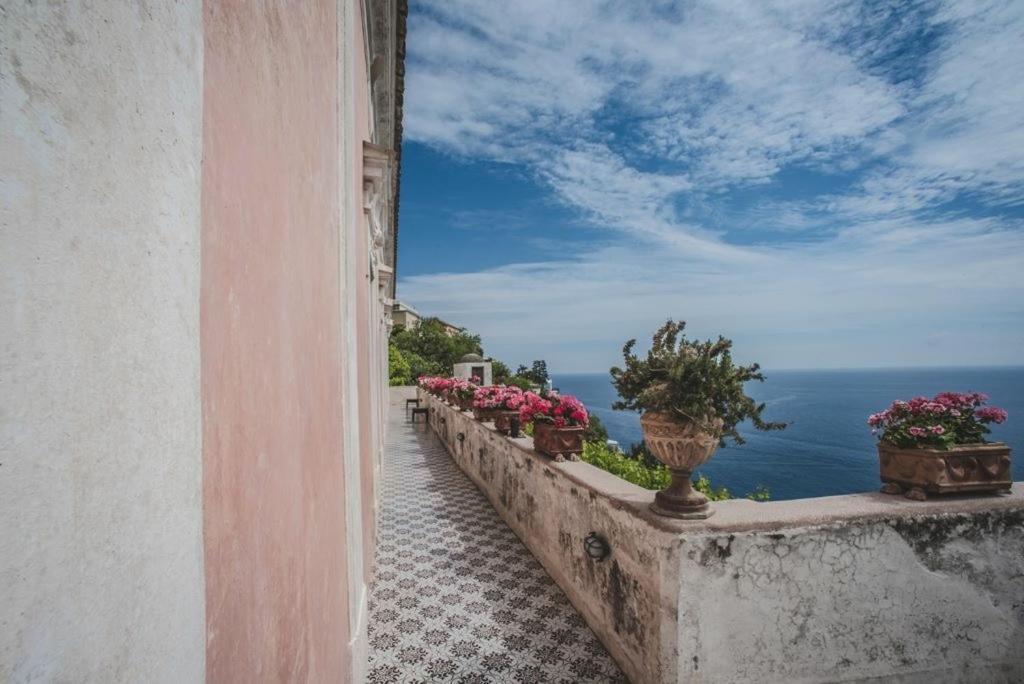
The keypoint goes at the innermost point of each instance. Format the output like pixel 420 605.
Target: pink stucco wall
pixel 274 510
pixel 365 342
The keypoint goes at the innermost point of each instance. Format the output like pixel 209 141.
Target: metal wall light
pixel 596 546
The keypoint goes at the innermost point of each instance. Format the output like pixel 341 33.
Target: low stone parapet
pixel 833 588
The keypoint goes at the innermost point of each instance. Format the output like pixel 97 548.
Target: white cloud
pixel 628 110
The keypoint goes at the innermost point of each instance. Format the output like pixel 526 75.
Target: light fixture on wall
pixel 596 546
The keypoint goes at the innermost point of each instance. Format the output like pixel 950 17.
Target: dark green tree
pixel 399 370
pixel 437 351
pixel 539 372
pixel 596 431
pixel 500 372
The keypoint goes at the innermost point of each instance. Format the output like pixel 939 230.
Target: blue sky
pixel 830 184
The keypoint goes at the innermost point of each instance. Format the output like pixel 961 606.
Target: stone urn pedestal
pixel 918 473
pixel 560 443
pixel 682 447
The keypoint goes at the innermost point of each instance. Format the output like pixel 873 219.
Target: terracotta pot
pixel 503 420
pixel 558 443
pixel 682 447
pixel 920 472
pixel 484 415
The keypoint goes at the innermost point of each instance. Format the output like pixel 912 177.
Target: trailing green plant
pixel 655 476
pixel 631 470
pixel 691 380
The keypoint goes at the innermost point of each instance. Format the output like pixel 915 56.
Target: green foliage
pixel 596 431
pixel 520 382
pixel 643 467
pixel 430 350
pixel 703 485
pixel 399 370
pixel 600 455
pixel 695 381
pixel 760 493
pixel 500 372
pixel 539 372
pixel 641 453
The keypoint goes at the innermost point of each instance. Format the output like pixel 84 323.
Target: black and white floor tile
pixel 457 597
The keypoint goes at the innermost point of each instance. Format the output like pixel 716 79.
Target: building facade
pixel 405 316
pixel 198 262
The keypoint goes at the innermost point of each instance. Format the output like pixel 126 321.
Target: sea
pixel 827 448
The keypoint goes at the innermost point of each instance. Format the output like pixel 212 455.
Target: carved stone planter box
pixel 558 443
pixel 503 419
pixel 918 473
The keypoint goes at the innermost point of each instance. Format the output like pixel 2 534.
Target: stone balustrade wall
pixel 833 588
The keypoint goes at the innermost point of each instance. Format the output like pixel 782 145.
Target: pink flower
pixel 991 414
pixel 937 429
pixel 917 432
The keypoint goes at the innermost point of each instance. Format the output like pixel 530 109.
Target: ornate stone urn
pixel 558 443
pixel 682 447
pixel 918 472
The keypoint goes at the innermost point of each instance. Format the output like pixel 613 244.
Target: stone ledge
pixel 847 587
pixel 742 515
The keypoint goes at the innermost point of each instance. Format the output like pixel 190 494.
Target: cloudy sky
pixel 830 184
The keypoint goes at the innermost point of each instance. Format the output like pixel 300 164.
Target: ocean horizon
pixel 828 448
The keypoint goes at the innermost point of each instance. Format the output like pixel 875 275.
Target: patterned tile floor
pixel 457 597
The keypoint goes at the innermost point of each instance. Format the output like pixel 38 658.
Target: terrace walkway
pixel 457 597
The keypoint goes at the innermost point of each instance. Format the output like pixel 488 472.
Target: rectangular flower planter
pixel 919 472
pixel 503 420
pixel 484 415
pixel 558 443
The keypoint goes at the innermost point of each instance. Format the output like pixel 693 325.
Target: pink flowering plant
pixel 434 384
pixel 498 397
pixel 557 409
pixel 944 421
pixel 462 389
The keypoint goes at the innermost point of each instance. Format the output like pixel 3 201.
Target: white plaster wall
pixel 465 371
pixel 101 573
pixel 935 599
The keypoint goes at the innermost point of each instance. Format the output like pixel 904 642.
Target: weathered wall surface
pixel 837 588
pixel 275 521
pixel 100 463
pixel 938 597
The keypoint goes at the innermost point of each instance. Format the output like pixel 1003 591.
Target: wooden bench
pixel 420 412
pixel 411 402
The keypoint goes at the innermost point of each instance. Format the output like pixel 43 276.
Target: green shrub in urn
pixel 692 381
pixel 692 398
